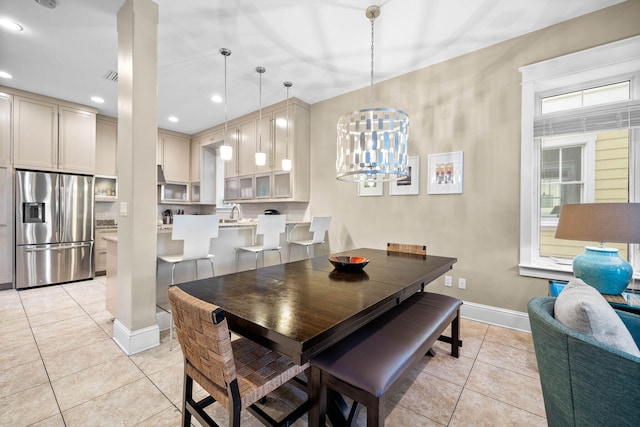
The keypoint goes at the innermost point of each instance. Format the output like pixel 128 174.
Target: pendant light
pixel 286 162
pixel 261 157
pixel 226 152
pixel 373 142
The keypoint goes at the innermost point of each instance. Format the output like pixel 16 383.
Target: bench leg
pixel 375 412
pixel 455 335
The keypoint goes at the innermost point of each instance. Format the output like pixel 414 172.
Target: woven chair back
pixel 204 336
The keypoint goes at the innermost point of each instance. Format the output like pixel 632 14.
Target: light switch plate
pixel 123 209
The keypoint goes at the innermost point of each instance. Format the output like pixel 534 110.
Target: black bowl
pixel 348 263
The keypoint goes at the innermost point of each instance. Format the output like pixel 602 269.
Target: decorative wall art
pixel 410 184
pixel 446 173
pixel 371 187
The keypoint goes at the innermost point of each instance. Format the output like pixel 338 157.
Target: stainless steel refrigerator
pixel 54 228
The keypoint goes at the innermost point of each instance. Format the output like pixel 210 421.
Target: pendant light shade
pixel 286 162
pixel 372 143
pixel 226 152
pixel 261 157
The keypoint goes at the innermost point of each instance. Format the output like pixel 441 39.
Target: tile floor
pixel 60 367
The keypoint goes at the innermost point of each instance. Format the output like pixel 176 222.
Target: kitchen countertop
pixel 243 223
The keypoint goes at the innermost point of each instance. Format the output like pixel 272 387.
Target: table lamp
pixel 601 267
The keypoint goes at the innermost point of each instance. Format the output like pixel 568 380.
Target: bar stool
pixel 196 231
pixel 319 227
pixel 270 227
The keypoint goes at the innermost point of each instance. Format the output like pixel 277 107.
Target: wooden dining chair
pixel 236 374
pixel 407 249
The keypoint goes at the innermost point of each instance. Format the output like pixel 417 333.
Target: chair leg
pixel 279 254
pixel 213 274
pixel 173 273
pixel 187 390
pixel 257 259
pixel 308 254
pixel 237 259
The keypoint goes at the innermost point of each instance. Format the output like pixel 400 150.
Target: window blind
pixel 617 115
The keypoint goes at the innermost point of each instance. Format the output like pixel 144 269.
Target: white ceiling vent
pixel 111 75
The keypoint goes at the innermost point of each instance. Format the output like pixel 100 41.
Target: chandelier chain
pixel 372 18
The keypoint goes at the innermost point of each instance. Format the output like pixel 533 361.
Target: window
pixel 580 124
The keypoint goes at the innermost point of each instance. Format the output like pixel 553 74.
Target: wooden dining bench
pixel 364 365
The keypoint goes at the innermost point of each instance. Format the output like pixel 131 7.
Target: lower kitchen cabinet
pixel 101 249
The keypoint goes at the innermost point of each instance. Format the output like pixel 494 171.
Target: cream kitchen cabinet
pixel 270 182
pixel 203 166
pixel 5 128
pixel 106 146
pixel 53 136
pixel 101 248
pixel 242 138
pixel 176 156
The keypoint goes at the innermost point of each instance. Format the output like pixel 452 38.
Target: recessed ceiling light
pixel 10 25
pixel 216 98
pixel 5 75
pixel 97 99
pixel 173 119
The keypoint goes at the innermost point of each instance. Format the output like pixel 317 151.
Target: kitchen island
pixel 231 235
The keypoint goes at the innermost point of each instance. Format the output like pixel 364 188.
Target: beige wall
pixel 471 103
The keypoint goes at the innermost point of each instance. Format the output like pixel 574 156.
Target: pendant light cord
pixel 225 52
pixel 260 71
pixel 287 85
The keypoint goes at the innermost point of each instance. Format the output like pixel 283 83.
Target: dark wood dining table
pixel 301 308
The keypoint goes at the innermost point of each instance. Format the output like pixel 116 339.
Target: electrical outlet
pixel 448 281
pixel 462 283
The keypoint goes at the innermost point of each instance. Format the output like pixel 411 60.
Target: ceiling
pixel 323 47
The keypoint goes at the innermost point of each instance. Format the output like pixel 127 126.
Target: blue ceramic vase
pixel 603 269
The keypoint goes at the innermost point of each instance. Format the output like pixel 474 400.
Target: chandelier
pixel 373 142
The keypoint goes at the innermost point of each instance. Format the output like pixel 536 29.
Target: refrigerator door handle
pixel 33 248
pixel 60 190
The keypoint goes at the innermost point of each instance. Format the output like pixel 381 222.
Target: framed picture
pixel 446 173
pixel 371 188
pixel 410 184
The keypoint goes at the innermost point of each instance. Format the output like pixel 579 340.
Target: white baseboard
pixel 496 316
pixel 132 342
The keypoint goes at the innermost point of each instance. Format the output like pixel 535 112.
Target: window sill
pixel 548 270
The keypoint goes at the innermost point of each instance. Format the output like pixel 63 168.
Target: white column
pixel 135 327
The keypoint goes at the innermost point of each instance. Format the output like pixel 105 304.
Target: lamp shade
pixel 600 222
pixel 601 267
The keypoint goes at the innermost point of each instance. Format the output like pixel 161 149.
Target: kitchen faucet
pixel 235 208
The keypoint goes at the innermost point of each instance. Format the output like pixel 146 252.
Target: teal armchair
pixel 584 382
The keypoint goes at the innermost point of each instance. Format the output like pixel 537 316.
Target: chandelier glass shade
pixel 372 143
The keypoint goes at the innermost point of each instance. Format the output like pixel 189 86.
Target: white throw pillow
pixel 582 308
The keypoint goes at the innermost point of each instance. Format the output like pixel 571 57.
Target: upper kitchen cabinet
pixel 106 146
pixel 5 128
pixel 270 182
pixel 175 152
pixel 53 136
pixel 176 156
pixel 203 165
pixel 241 135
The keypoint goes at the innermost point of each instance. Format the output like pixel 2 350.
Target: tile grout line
pixel 43 364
